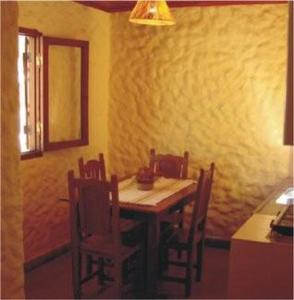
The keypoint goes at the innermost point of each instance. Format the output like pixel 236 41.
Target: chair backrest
pixel 201 202
pixel 93 168
pixel 168 165
pixel 90 212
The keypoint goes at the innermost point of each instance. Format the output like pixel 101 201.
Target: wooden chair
pixel 95 169
pixel 168 165
pixel 94 231
pixel 191 241
pixel 92 169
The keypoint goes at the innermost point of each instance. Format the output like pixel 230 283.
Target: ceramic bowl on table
pixel 145 179
pixel 145 186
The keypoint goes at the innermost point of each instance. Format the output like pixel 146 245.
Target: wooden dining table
pixel 152 206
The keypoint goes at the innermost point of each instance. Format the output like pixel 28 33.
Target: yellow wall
pixel 44 179
pixel 12 281
pixel 64 93
pixel 213 84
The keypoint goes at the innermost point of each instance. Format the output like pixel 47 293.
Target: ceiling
pixel 123 5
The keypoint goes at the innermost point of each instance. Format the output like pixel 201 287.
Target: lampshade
pixel 151 13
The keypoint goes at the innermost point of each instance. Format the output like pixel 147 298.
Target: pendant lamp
pixel 154 13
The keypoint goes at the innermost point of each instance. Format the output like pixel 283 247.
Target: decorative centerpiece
pixel 145 179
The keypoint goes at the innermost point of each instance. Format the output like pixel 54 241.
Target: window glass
pixel 29 92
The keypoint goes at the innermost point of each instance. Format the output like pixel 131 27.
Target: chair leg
pixel 181 211
pixel 76 273
pixel 189 269
pixel 179 254
pixel 139 281
pixel 101 274
pixel 89 263
pixel 142 269
pixel 188 281
pixel 162 258
pixel 118 279
pixel 199 262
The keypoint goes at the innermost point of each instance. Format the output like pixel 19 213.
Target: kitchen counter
pixel 270 206
pixel 261 262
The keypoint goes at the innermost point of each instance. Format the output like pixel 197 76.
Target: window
pixel 29 77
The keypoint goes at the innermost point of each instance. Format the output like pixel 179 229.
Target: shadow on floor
pixel 53 280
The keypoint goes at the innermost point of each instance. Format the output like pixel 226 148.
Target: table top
pixel 165 194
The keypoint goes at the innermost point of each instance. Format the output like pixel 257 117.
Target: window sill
pixel 29 155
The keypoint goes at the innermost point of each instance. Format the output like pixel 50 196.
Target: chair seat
pixel 179 239
pixel 129 224
pixel 188 240
pixel 96 245
pixel 106 237
pixel 132 231
pixel 167 225
pixel 173 218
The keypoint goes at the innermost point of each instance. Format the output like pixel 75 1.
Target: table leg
pixel 152 255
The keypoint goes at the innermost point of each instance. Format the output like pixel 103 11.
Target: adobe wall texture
pixel 44 179
pixel 213 84
pixel 12 281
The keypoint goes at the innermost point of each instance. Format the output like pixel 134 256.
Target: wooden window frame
pixel 38 122
pixel 84 49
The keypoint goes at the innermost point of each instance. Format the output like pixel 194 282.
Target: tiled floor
pixel 53 280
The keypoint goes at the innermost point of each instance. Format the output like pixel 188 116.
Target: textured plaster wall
pixel 12 280
pixel 213 84
pixel 46 224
